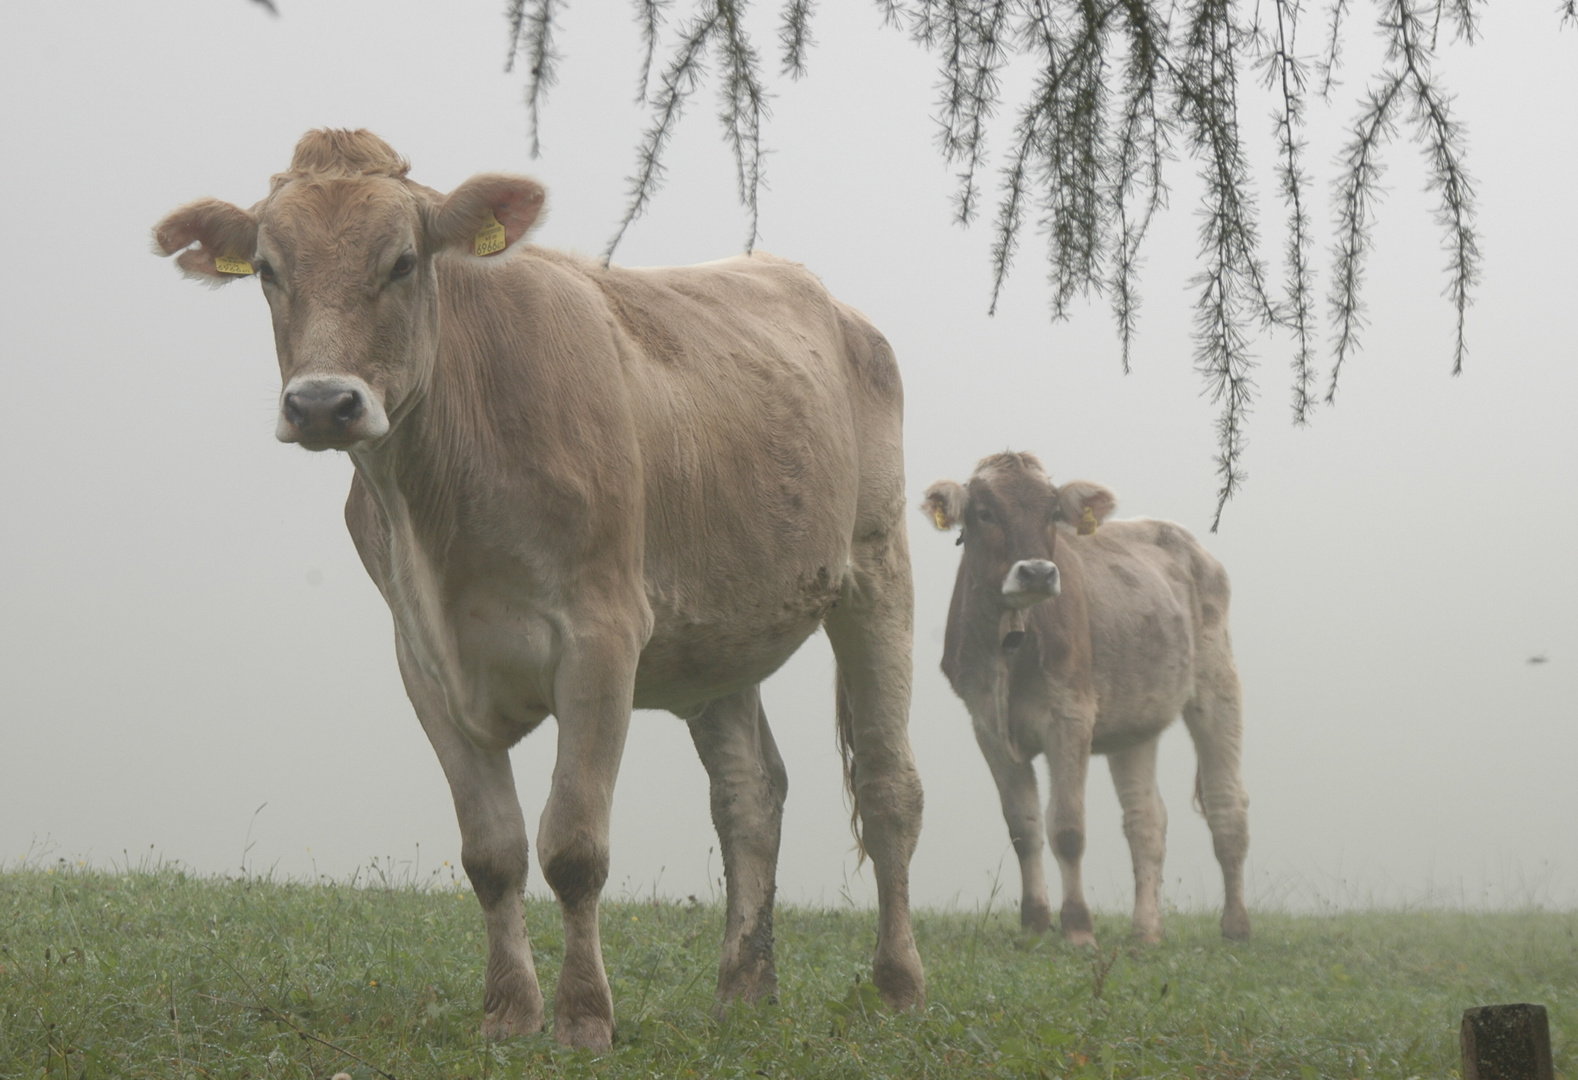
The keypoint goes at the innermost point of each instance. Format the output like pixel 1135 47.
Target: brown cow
pixel 1066 639
pixel 584 488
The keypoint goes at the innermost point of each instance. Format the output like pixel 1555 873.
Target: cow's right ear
pixel 215 240
pixel 944 504
pixel 486 214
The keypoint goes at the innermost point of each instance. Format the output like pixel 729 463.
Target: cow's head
pixel 1010 512
pixel 344 246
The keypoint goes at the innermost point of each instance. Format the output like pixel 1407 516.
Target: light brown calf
pixel 1068 637
pixel 585 488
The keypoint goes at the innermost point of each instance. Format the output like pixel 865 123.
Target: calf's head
pixel 344 246
pixel 1009 512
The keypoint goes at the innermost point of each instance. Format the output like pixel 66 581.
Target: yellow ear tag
pixel 229 264
pixel 940 516
pixel 491 238
pixel 1088 523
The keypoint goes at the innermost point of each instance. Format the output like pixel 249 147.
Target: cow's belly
pixel 700 652
pixel 1144 676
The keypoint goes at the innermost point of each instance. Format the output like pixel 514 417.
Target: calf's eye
pixel 265 273
pixel 403 267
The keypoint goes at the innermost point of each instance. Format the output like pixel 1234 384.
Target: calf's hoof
pixel 1076 924
pixel 1035 918
pixel 1148 935
pixel 1235 925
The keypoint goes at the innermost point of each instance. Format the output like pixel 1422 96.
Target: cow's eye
pixel 983 515
pixel 403 267
pixel 266 273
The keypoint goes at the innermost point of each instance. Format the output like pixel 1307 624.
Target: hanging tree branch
pixel 1120 88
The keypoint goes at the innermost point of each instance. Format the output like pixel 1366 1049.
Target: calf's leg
pixel 870 631
pixel 1068 760
pixel 1145 825
pixel 1215 722
pixel 748 784
pixel 493 853
pixel 1021 799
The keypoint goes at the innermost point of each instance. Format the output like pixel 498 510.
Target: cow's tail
pixel 846 751
pixel 1199 792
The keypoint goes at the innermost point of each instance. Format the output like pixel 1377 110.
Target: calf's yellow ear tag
pixel 940 516
pixel 491 238
pixel 229 264
pixel 1088 523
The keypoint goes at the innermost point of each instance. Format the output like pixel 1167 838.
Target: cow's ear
pixel 214 239
pixel 944 504
pixel 486 214
pixel 1077 497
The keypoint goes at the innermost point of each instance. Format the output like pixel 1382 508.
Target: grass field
pixel 169 975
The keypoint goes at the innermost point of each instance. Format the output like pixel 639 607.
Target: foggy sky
pixel 188 635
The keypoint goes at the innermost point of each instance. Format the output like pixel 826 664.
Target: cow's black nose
pixel 323 411
pixel 1035 573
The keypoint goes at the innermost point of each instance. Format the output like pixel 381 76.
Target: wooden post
pixel 1506 1042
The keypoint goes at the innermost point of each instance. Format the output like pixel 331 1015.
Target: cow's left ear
pixel 486 214
pixel 944 504
pixel 1077 496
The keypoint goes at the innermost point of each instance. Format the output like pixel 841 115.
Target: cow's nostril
pixel 348 407
pixel 293 410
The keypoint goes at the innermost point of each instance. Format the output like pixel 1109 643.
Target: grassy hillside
pixel 162 974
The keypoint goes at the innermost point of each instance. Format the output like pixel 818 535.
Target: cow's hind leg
pixel 1145 825
pixel 748 788
pixel 1021 800
pixel 1215 722
pixel 870 631
pixel 493 852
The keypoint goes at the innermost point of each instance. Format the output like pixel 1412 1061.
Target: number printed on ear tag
pixel 229 264
pixel 491 238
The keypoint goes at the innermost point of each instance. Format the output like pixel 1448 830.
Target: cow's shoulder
pixel 1174 551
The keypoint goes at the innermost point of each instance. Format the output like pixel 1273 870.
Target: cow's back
pixel 1153 594
pixel 768 417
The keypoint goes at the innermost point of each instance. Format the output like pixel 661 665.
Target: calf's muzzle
pixel 1030 581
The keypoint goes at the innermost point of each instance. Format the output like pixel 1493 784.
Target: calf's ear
pixel 486 214
pixel 1078 496
pixel 214 239
pixel 944 504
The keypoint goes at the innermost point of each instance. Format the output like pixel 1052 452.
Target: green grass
pixel 170 975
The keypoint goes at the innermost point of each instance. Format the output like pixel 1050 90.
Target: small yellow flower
pixel 373 983
pixel 635 918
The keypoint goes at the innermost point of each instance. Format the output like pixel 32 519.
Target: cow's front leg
pixel 1017 790
pixel 493 852
pixel 593 689
pixel 1068 761
pixel 748 788
pixel 1145 825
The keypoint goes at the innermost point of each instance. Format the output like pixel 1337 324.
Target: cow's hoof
pixel 1148 935
pixel 1035 918
pixel 1235 925
pixel 509 1024
pixel 747 986
pixel 594 1033
pixel 513 1010
pixel 901 982
pixel 1077 927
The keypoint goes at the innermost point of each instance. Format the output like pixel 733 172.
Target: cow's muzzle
pixel 329 413
pixel 1031 581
